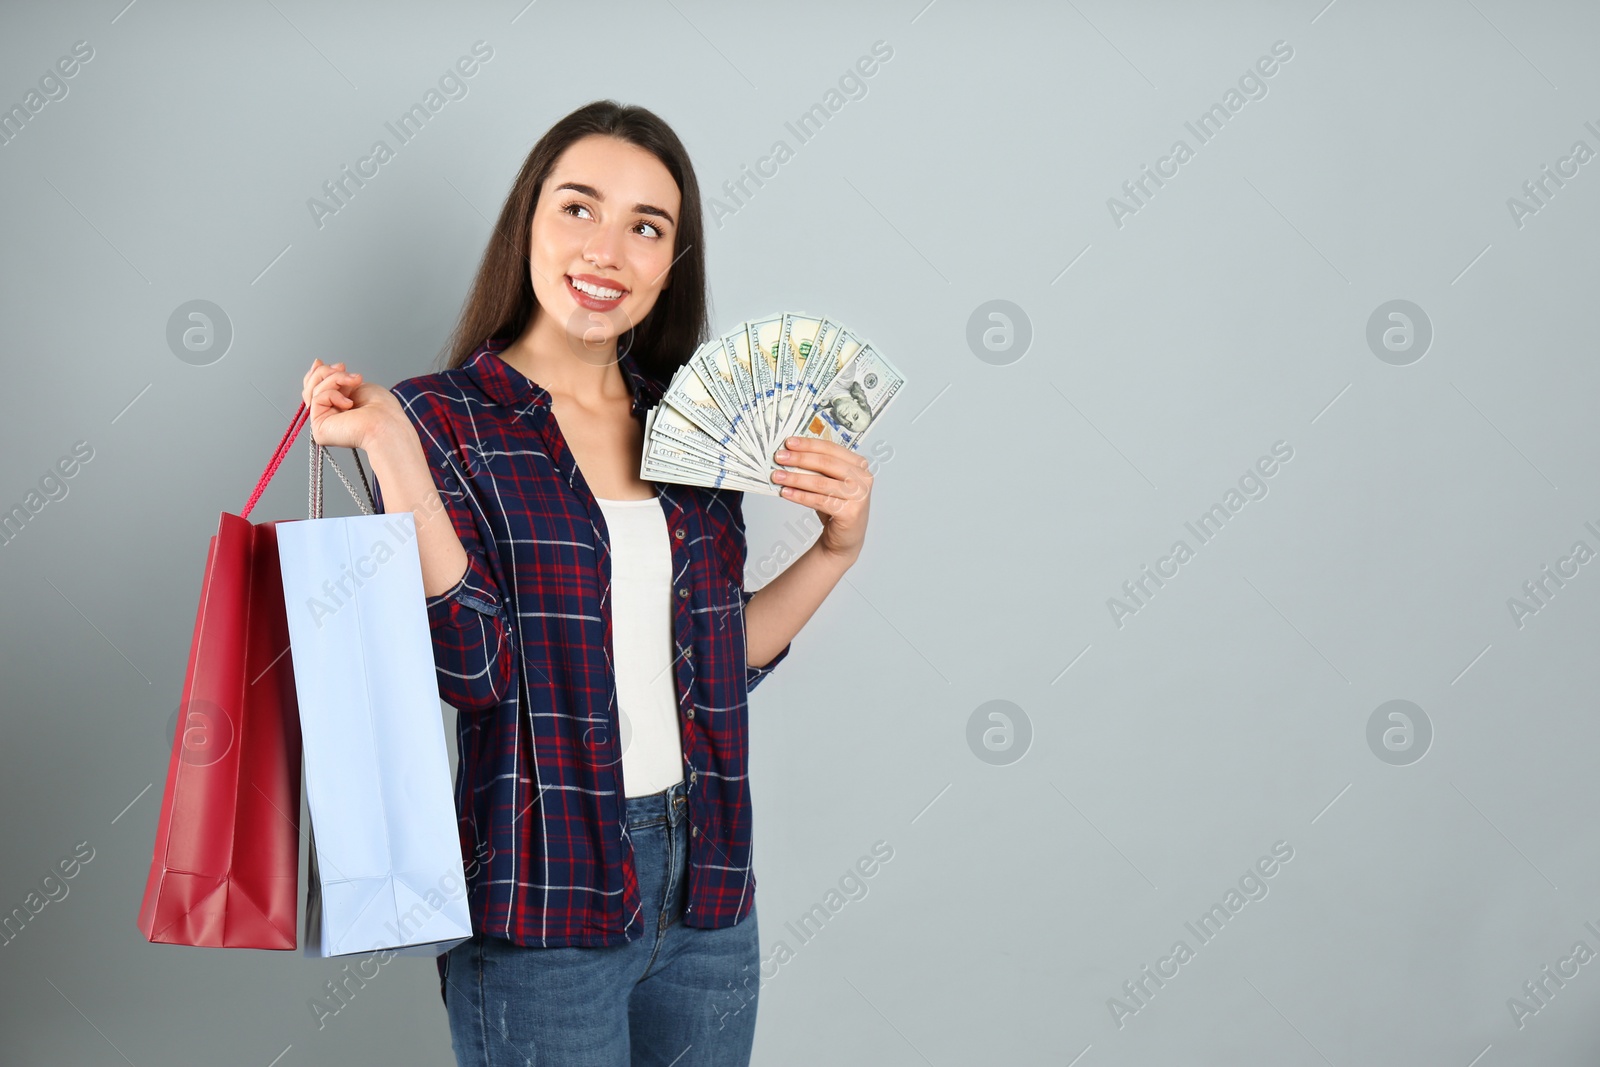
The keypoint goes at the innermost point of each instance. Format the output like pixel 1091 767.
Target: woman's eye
pixel 654 231
pixel 577 207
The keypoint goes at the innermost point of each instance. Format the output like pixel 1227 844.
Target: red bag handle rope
pixel 302 413
pixel 301 416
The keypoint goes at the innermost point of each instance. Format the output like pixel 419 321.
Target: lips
pixel 590 300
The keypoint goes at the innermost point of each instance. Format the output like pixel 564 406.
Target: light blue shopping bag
pixel 386 869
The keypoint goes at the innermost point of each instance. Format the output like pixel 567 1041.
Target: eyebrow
pixel 591 191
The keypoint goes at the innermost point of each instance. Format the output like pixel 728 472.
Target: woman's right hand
pixel 346 410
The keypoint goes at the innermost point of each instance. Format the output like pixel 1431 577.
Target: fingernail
pixel 782 454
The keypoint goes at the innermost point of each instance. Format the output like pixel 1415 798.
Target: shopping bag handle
pixel 301 416
pixel 318 453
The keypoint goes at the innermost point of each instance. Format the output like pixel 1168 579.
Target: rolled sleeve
pixel 471 651
pixel 475 590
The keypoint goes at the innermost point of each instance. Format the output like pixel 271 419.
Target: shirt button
pixel 692 776
pixel 682 593
pixel 691 713
pixel 678 533
pixel 688 652
pixel 694 831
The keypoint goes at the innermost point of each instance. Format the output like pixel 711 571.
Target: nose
pixel 601 247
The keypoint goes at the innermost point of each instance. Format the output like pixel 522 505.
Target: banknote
pixel 729 407
pixel 765 336
pixel 795 349
pixel 855 397
pixel 695 421
pixel 713 366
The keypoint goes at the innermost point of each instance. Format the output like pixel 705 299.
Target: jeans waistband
pixel 669 805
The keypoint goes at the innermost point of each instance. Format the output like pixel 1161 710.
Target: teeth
pixel 595 290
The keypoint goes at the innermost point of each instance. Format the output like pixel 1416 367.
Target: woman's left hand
pixel 839 491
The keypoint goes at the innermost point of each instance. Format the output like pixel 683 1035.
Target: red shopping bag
pixel 225 869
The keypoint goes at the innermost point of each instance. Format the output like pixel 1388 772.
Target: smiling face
pixel 601 240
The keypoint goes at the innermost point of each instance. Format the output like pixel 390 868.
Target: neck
pixel 564 365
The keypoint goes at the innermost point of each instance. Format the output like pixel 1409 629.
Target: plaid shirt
pixel 523 644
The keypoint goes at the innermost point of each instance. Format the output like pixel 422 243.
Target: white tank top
pixel 642 645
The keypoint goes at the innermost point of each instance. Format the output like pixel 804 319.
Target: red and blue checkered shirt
pixel 523 645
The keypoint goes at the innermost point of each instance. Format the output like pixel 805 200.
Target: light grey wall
pixel 1047 848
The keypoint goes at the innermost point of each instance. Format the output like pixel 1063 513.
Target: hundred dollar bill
pixel 845 347
pixel 666 464
pixel 748 361
pixel 841 348
pixel 807 390
pixel 692 399
pixel 765 335
pixel 658 472
pixel 671 426
pixel 666 452
pixel 744 371
pixel 660 450
pixel 711 365
pixel 729 355
pixel 665 425
pixel 798 344
pixel 855 398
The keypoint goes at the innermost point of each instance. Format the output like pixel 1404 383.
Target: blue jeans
pixel 679 995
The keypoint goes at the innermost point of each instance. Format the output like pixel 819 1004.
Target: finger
pixel 317 376
pixel 319 369
pixel 306 382
pixel 329 389
pixel 829 462
pixel 335 402
pixel 817 446
pixel 821 484
pixel 830 505
pixel 842 469
pixel 803 443
pixel 321 385
pixel 341 378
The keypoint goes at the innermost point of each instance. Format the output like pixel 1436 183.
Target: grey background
pixel 1163 757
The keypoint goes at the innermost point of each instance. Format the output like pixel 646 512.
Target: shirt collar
pixel 506 385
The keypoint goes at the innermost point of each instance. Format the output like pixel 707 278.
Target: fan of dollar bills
pixel 727 409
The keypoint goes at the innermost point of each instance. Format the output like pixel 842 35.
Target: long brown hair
pixel 501 302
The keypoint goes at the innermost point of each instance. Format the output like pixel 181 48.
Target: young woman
pixel 592 628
